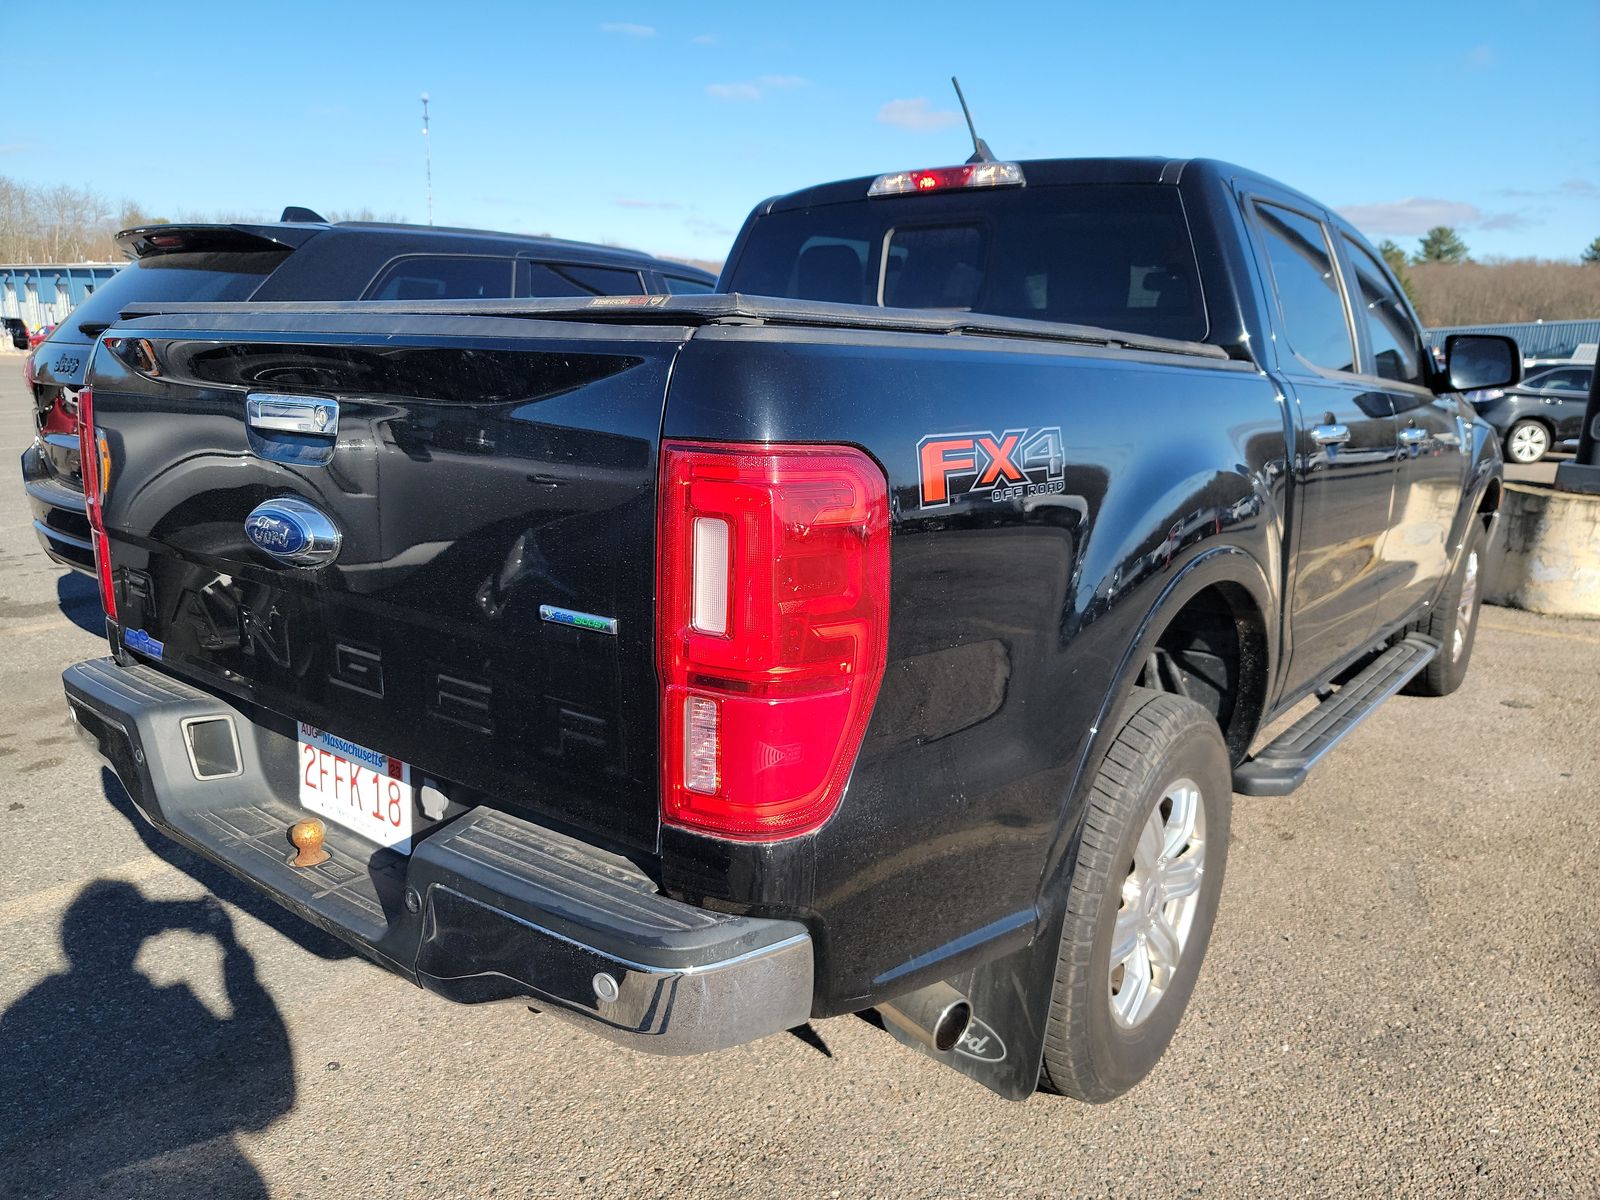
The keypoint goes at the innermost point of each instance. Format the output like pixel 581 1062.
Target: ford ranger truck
pixel 887 631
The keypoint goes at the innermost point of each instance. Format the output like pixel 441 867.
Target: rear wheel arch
pixel 1227 576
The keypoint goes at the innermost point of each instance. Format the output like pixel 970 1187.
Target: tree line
pixel 68 224
pixel 1450 287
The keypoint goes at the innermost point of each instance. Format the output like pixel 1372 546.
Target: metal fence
pixel 44 293
pixel 1537 339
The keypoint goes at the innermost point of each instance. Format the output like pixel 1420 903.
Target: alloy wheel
pixel 1469 598
pixel 1159 899
pixel 1529 443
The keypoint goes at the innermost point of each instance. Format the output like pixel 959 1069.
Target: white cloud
pixel 753 89
pixel 733 91
pixel 704 39
pixel 626 29
pixel 916 115
pixel 1579 187
pixel 1416 215
pixel 1480 56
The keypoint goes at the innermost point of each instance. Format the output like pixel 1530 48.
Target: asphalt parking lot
pixel 1402 996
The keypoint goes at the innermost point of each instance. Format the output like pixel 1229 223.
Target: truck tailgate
pixel 487 617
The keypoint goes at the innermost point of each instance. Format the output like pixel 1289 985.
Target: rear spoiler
pixel 146 241
pixel 708 309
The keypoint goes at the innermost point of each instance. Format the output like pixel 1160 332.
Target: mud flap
pixel 1004 1046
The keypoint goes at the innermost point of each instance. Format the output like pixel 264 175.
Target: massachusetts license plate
pixel 358 788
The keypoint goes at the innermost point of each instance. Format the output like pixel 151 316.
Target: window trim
pixel 378 276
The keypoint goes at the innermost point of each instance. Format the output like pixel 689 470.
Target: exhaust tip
pixel 936 1015
pixel 952 1024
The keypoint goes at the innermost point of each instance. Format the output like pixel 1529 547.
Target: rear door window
pixel 1314 322
pixel 443 277
pixel 1562 381
pixel 1396 346
pixel 574 279
pixel 677 285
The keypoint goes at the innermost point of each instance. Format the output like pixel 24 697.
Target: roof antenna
pixel 980 148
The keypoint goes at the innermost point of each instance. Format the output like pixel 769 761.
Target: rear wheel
pixel 1453 623
pixel 1142 898
pixel 1527 441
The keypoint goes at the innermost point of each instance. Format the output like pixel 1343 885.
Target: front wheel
pixel 1527 442
pixel 1141 900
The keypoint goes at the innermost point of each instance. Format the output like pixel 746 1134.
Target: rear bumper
pixel 488 906
pixel 58 514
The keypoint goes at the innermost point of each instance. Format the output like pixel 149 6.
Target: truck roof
pixel 1044 172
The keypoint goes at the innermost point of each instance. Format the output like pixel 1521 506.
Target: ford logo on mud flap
pixel 293 532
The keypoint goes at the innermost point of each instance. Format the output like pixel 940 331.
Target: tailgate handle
pixel 313 416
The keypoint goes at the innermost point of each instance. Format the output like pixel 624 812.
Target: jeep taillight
pixel 94 467
pixel 772 592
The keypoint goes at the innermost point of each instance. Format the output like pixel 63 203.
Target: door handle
pixel 1412 434
pixel 1330 435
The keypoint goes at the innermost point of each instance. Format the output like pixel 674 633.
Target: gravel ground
pixel 1401 997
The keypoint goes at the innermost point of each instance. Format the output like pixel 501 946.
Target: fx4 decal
pixel 1005 466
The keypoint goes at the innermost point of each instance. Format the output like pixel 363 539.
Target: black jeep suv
pixel 295 260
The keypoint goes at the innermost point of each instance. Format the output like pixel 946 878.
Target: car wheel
pixel 1453 623
pixel 1527 441
pixel 1141 900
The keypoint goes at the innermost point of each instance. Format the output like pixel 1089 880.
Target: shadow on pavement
pixel 115 1085
pixel 79 598
pixel 219 882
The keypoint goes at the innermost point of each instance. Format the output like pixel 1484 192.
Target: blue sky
pixel 660 124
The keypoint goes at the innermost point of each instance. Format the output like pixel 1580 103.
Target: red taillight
pixel 772 581
pixel 27 369
pixel 94 466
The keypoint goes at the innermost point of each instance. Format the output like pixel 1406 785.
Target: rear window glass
pixel 217 276
pixel 443 277
pixel 1113 255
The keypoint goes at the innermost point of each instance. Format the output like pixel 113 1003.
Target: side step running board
pixel 1283 764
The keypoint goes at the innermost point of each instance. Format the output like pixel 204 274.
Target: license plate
pixel 358 788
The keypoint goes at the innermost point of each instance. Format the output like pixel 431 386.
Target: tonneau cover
pixel 713 308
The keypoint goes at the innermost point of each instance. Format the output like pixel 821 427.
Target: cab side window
pixel 1396 345
pixel 1307 285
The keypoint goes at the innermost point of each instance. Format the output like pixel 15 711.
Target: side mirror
pixel 1481 360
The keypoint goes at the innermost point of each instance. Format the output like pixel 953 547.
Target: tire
pixel 1453 623
pixel 1168 758
pixel 1527 441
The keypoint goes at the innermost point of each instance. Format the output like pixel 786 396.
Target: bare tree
pixel 1523 289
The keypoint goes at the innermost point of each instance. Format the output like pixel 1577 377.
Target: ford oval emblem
pixel 293 532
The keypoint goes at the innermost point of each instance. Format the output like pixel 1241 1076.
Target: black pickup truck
pixel 887 631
